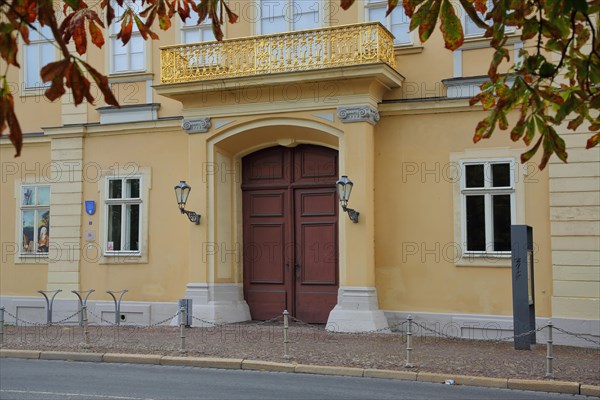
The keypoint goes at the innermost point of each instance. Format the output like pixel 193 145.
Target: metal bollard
pixel 86 332
pixel 117 304
pixel 182 321
pixel 49 303
pixel 1 326
pixel 409 348
pixel 82 301
pixel 549 355
pixel 285 333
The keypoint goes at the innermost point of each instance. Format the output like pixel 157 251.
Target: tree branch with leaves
pixel 555 84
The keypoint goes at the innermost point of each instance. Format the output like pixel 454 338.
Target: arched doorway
pixel 290 229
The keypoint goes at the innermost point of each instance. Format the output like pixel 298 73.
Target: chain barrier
pixel 218 325
pixel 99 318
pixel 487 340
pixel 578 335
pixel 25 322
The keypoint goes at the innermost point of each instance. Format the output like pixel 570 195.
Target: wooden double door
pixel 290 217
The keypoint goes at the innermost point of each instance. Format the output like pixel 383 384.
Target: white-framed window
pixel 132 56
pixel 397 22
pixel 35 220
pixel 39 52
pixel 123 215
pixel 488 205
pixel 192 32
pixel 471 29
pixel 277 16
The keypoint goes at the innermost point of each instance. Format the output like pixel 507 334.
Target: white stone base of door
pixel 357 310
pixel 217 303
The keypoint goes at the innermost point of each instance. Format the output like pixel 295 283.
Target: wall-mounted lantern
pixel 182 191
pixel 344 188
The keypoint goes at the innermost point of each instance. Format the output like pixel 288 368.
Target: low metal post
pixel 285 333
pixel 86 332
pixel 549 355
pixel 117 304
pixel 1 326
pixel 49 303
pixel 82 301
pixel 182 321
pixel 409 348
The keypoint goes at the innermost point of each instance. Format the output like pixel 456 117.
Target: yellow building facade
pixel 261 126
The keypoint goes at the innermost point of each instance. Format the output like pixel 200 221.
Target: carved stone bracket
pixel 196 125
pixel 358 114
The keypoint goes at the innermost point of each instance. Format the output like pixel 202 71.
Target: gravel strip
pixel 313 345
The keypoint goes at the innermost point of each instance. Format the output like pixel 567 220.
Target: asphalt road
pixel 48 380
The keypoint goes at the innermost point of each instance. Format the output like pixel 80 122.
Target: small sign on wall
pixel 90 236
pixel 90 207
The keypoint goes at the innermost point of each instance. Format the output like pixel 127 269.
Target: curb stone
pixel 132 358
pixel 544 386
pixel 203 362
pixel 390 374
pixel 71 356
pixel 6 353
pixel 232 363
pixel 325 370
pixel 257 365
pixel 590 390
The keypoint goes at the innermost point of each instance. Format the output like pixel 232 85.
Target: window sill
pixel 127 77
pixel 485 260
pixel 34 91
pixel 477 41
pixel 32 259
pixel 405 49
pixel 123 258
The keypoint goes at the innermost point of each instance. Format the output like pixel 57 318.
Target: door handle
pixel 298 267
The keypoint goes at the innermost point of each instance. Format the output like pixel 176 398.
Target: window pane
pixel 132 231
pixel 501 204
pixel 28 244
pixel 475 223
pixel 207 34
pixel 121 63
pixel 400 25
pixel 28 197
pixel 137 61
pixel 43 195
pixel 47 53
pixel 501 175
pixel 308 20
pixel 274 25
pixel 114 188
pixel 133 188
pixel 191 36
pixel 136 43
pixel 43 231
pixel 32 65
pixel 114 228
pixel 474 175
pixel 377 14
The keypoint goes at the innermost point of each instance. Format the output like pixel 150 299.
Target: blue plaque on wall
pixel 90 207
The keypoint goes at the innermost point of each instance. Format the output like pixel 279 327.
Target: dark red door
pixel 290 232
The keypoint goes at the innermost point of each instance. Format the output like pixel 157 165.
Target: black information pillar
pixel 523 285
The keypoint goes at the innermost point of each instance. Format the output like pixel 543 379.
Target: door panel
pixel 316 254
pixel 290 230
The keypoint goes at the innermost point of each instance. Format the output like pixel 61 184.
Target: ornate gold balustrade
pixel 291 51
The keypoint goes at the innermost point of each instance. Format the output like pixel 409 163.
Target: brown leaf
pixel 593 141
pixel 346 4
pixel 96 35
pixel 103 85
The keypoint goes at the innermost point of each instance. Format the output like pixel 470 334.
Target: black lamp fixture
pixel 182 191
pixel 344 188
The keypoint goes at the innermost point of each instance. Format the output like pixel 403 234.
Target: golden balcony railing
pixel 306 50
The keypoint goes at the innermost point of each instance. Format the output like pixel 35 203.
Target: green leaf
pixel 451 27
pixel 531 152
pixel 428 25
